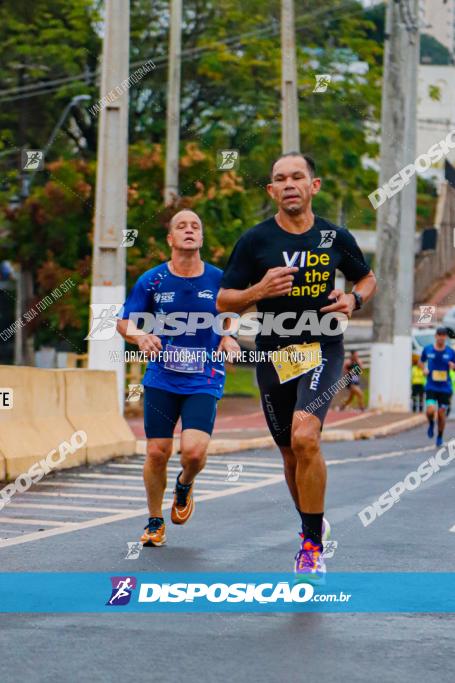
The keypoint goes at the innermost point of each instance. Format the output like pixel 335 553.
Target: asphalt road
pixel 82 520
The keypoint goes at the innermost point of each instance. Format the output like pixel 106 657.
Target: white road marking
pixel 244 458
pixel 452 529
pixel 380 456
pixel 133 477
pixel 66 528
pixel 84 485
pixel 37 522
pixel 212 494
pixel 47 494
pixel 245 461
pixel 220 472
pixel 50 506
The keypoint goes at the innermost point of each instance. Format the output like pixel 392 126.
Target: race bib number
pixel 296 360
pixel 439 375
pixel 182 359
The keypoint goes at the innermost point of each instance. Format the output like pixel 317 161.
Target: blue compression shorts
pixel 163 408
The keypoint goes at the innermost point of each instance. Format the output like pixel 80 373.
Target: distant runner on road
pixel 286 265
pixel 354 367
pixel 436 361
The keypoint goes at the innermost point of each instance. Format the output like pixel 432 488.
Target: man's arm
pixel 149 343
pixel 421 362
pixel 345 303
pixel 276 282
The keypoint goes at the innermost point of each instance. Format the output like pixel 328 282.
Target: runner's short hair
pixel 171 220
pixel 309 160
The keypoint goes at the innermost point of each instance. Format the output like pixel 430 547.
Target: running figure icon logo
pixel 329 549
pixel 135 392
pixel 134 550
pixel 227 159
pixel 426 315
pixel 234 471
pixel 327 237
pixel 103 321
pixel 122 587
pixel 129 237
pixel 32 160
pixel 322 82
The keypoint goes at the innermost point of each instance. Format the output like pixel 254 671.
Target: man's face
pixel 185 232
pixel 441 340
pixel 292 186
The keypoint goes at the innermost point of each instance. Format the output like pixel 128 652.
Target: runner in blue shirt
pixel 439 358
pixel 184 379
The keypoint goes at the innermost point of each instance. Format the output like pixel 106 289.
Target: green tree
pixel 48 49
pixel 230 100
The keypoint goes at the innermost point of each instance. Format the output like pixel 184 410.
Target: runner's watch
pixel 358 300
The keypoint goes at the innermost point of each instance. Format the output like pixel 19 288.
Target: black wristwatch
pixel 358 300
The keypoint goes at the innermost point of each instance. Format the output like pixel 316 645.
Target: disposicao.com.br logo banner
pixel 225 592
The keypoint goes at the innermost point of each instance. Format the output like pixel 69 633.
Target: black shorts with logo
pixel 311 392
pixel 440 397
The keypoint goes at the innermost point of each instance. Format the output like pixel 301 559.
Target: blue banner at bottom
pixel 225 592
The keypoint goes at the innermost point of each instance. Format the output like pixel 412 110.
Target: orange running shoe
pixel 154 533
pixel 183 505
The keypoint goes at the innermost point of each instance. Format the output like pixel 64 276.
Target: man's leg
pixel 349 398
pixel 193 446
pixel 431 413
pixel 278 402
pixel 314 394
pixel 290 467
pixel 198 417
pixel 311 470
pixel 161 412
pixel 155 470
pixel 441 419
pixel 357 391
pixel 421 399
pixel 415 398
pixel 442 416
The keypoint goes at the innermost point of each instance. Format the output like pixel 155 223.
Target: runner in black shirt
pixel 286 265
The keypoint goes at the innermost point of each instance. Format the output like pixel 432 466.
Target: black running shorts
pixel 311 392
pixel 440 397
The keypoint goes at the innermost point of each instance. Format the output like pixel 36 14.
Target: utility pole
pixel 171 180
pixel 109 258
pixel 290 134
pixel 406 252
pixel 391 349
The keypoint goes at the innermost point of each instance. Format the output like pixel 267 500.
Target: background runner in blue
pixel 159 291
pixel 439 361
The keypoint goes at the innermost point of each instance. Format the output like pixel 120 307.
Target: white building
pixel 435 118
pixel 439 21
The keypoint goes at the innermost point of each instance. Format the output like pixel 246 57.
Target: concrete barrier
pixel 37 423
pixel 92 405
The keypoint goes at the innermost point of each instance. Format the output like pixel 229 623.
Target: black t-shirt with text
pixel 317 253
